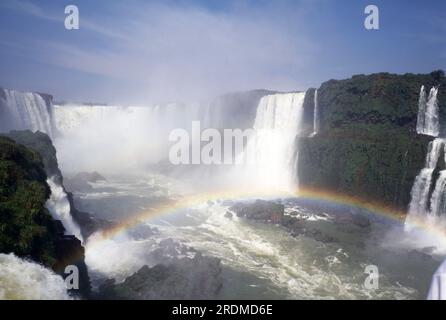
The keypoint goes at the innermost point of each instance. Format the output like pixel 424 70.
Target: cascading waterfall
pixel 421 110
pixel 60 208
pixel 316 120
pixel 272 148
pixel 426 206
pixel 126 136
pixel 428 114
pixel 418 207
pixel 438 200
pixel 26 110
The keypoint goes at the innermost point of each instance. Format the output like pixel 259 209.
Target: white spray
pixel 24 280
pixel 60 209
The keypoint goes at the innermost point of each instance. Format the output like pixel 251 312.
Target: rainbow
pixel 192 200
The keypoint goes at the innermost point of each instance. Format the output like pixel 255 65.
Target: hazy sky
pixel 141 52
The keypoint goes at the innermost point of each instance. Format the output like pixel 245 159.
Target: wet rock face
pixel 272 212
pixel 367 146
pixel 196 278
pixel 41 143
pixel 70 252
pixel 88 223
pixel 352 218
pixel 259 210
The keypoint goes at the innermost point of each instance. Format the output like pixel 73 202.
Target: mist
pixel 115 139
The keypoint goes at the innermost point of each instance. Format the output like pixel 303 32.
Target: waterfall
pixel 428 114
pixel 316 120
pixel 421 110
pixel 424 206
pixel 25 110
pixel 438 204
pixel 60 208
pixel 276 126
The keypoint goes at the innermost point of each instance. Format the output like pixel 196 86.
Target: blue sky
pixel 141 52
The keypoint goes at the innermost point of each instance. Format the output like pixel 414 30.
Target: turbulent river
pixel 260 260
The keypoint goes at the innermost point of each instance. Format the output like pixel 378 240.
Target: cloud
pixel 28 8
pixel 182 52
pixel 33 10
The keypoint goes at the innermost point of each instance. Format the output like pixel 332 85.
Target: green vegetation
pixel 41 143
pixel 26 227
pixel 368 146
pixel 384 99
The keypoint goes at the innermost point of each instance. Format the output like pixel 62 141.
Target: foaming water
pixel 24 280
pixel 304 267
pixel 268 261
pixel 115 258
pixel 60 209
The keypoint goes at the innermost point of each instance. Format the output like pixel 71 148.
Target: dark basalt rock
pixel 298 228
pixel 87 223
pixel 228 215
pixel 41 143
pixel 69 251
pixel 259 210
pixel 352 218
pixel 197 278
pixel 271 212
